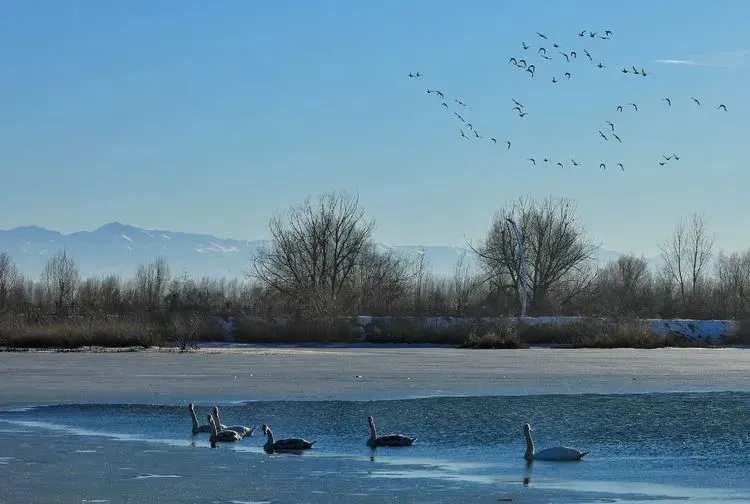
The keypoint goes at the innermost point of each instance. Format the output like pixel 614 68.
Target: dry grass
pixel 257 330
pixel 600 333
pixel 500 335
pixel 107 332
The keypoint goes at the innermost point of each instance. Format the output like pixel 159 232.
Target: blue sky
pixel 211 116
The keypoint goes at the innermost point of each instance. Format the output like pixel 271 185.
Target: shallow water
pixel 644 447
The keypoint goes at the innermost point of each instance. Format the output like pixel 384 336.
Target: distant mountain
pixel 119 248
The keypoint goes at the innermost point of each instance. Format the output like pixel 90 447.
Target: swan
pixel 222 435
pixel 288 444
pixel 558 453
pixel 197 428
pixel 387 440
pixel 239 429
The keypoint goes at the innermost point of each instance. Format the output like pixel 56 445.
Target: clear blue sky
pixel 211 116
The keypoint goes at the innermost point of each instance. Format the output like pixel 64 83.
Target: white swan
pixel 387 440
pixel 224 435
pixel 239 429
pixel 197 428
pixel 558 453
pixel 288 444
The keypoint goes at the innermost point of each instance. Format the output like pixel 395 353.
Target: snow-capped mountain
pixel 119 248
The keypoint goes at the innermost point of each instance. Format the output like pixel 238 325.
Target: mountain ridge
pixel 118 248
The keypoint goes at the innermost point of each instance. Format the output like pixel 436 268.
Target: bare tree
pixel 733 283
pixel 463 284
pixel 686 255
pixel 421 274
pixel 314 251
pixel 151 281
pixel 60 280
pixel 383 280
pixel 555 247
pixel 8 279
pixel 626 286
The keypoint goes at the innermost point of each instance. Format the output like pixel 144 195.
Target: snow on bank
pixel 710 331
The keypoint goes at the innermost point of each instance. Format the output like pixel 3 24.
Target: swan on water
pixel 239 429
pixel 224 435
pixel 197 428
pixel 557 453
pixel 288 444
pixel 388 440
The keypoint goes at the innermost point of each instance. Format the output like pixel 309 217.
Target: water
pixel 644 447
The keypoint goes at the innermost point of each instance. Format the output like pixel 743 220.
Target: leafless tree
pixel 151 281
pixel 421 274
pixel 463 284
pixel 733 283
pixel 686 255
pixel 555 247
pixel 59 281
pixel 626 286
pixel 383 280
pixel 8 279
pixel 314 251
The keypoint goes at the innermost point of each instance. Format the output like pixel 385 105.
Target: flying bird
pixel 611 125
pixel 554 80
pixel 675 157
pixel 643 72
pixel 581 34
pixel 695 100
pixel 531 70
pixel 521 114
pixel 669 102
pixel 603 135
pixel 619 108
pixel 621 167
pixel 545 160
pixel 625 70
pixel 666 157
pixel 463 134
pixel 523 44
pixel 517 108
pixel 493 140
pixel 600 65
pixel 567 58
pixel 573 54
pixel 634 106
pixel 460 102
pixel 602 166
pixel 513 60
pixel 662 163
pixel 588 55
pixel 542 50
pixel 567 74
pixel 476 134
pixel 444 105
pixel 516 102
pixel 440 94
pixel 541 35
pixel 546 57
pixel 522 62
pixel 560 165
pixel 592 34
pixel 574 162
pixel 722 106
pixel 532 160
pixel 507 142
pixel 555 46
pixel 459 116
pixel 618 138
pixel 608 33
pixel 468 125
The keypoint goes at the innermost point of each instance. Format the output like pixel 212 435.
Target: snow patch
pixel 147 233
pixel 127 237
pixel 166 237
pixel 220 248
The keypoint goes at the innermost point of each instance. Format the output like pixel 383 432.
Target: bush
pixel 741 335
pixel 600 333
pixel 258 330
pixel 413 331
pixel 501 335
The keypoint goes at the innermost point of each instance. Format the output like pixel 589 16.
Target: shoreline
pixel 278 372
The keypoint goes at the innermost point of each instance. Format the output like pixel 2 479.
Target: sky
pixel 211 117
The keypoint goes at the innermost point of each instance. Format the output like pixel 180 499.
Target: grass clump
pixel 502 334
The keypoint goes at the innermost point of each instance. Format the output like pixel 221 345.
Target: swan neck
pixel 269 435
pixel 194 418
pixel 373 432
pixel 529 445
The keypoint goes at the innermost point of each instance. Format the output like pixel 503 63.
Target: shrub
pixel 499 335
pixel 741 334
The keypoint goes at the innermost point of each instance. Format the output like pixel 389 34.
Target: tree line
pixel 323 262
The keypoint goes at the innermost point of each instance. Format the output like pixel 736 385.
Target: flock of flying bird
pixel 467 131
